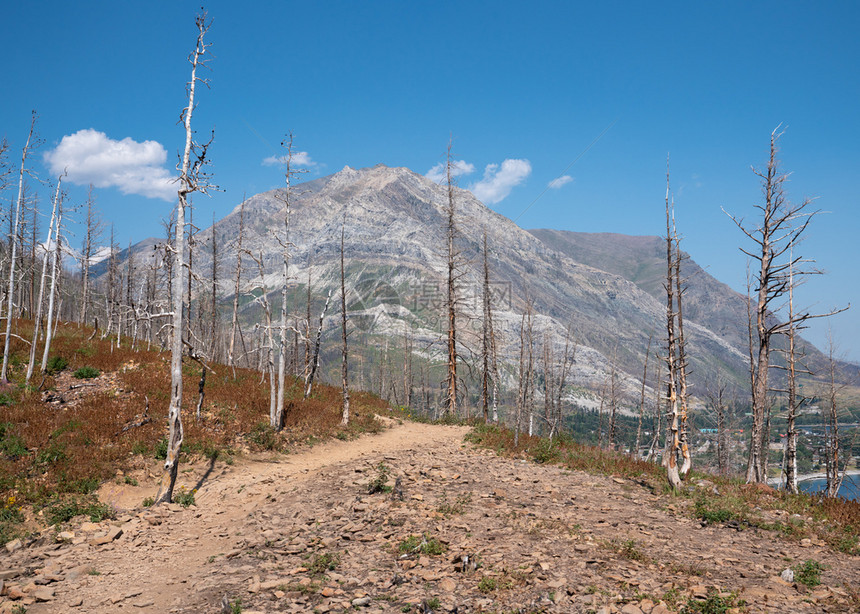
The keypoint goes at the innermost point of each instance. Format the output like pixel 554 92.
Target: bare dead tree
pixel 642 399
pixel 315 362
pixel 93 232
pixel 613 400
pixel 451 290
pixel 681 365
pixel 567 361
pixel 343 322
pixel 58 195
pixel 673 440
pixel 235 322
pixel 487 361
pixel 833 455
pixel 52 293
pixel 213 305
pixel 777 234
pixel 29 145
pixel 191 179
pixel 716 396
pixel 285 198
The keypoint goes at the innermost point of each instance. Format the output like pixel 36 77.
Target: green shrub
pixel 53 453
pixel 808 573
pixel 161 449
pixel 487 584
pixel 322 563
pixel 264 436
pixel 86 373
pixel 184 497
pixel 56 364
pixel 66 510
pixel 546 451
pixel 11 444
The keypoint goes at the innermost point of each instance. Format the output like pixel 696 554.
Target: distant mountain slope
pixel 642 260
pixel 608 288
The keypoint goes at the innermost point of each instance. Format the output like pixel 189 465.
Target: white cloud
pixel 556 183
pixel 498 180
pixel 458 167
pixel 300 158
pixel 92 157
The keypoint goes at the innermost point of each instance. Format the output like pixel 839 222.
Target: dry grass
pixel 836 521
pixel 50 450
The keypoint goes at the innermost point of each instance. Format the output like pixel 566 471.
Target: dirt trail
pixel 300 533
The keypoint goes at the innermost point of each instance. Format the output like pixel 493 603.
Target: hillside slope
pixel 395 249
pixel 301 532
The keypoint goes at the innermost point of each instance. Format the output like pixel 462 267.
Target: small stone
pixel 112 534
pixel 13 545
pixel 43 594
pixel 65 536
pixel 631 609
pixel 448 585
pixel 787 575
pixel 360 602
pixel 76 602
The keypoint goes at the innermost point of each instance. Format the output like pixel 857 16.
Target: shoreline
pixel 805 477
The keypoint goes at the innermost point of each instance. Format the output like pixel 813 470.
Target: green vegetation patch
pixel 86 373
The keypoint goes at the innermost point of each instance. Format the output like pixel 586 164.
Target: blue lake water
pixel 850 487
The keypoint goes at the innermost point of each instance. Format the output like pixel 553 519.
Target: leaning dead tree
pixel 315 358
pixel 19 203
pixel 191 179
pixel 52 293
pixel 774 238
pixel 38 317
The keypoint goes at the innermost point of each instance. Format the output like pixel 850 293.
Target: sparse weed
pixel 714 603
pixel 379 483
pixel 422 544
pixel 447 508
pixel 322 563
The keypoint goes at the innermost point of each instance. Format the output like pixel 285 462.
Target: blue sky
pixel 364 83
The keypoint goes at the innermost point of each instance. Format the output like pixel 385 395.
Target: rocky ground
pixel 462 531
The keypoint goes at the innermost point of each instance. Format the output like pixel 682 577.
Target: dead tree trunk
pixel 344 373
pixel 315 362
pixel 235 321
pixel 642 400
pixel 780 230
pixel 19 203
pixel 673 440
pixel 451 297
pixel 38 317
pixel 55 265
pixel 190 181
